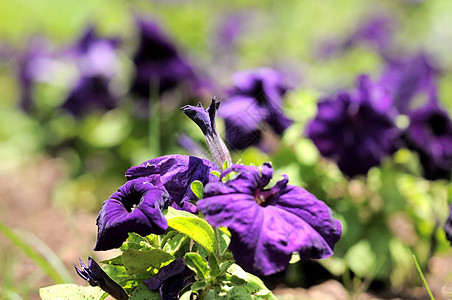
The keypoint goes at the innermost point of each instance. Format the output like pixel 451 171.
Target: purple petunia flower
pixel 159 66
pixel 95 276
pixel 135 207
pixel 268 225
pixel 255 101
pixel 176 173
pixel 356 129
pixel 97 63
pixel 411 81
pixel 430 135
pixel 171 280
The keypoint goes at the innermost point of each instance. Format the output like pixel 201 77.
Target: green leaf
pixel 235 280
pixel 185 296
pixel 194 227
pixel 39 252
pixel 224 266
pixel 70 291
pixel 295 258
pixel 141 262
pixel 238 293
pixel 199 285
pixel 198 264
pixel 198 188
pixel 175 243
pixel 116 261
pixel 142 292
pixel 213 266
pixel 361 259
pixel 135 241
pixel 254 284
pixel 224 238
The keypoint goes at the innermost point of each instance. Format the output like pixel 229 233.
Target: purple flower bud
pixel 206 120
pixel 136 207
pixel 95 276
pixel 267 225
pixel 355 129
pixel 430 135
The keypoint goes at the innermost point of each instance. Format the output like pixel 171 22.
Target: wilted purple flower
pixel 267 225
pixel 97 63
pixel 448 226
pixel 254 101
pixel 355 129
pixel 412 82
pixel 95 276
pixel 176 173
pixel 171 280
pixel 135 207
pixel 430 135
pixel 159 66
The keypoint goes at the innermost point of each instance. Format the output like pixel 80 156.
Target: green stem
pixel 423 278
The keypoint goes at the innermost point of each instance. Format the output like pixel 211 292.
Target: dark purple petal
pixel 176 173
pixel 95 276
pixel 159 67
pixel 268 225
pixel 90 93
pixel 135 207
pixel 430 135
pixel 171 279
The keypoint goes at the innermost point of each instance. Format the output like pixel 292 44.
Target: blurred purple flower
pixel 97 63
pixel 267 225
pixel 176 173
pixel 412 81
pixel 355 129
pixel 229 29
pixel 430 135
pixel 33 64
pixel 159 66
pixel 376 32
pixel 95 276
pixel 135 207
pixel 171 280
pixel 448 226
pixel 255 101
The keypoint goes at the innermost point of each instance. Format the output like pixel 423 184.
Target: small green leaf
pixel 295 258
pixel 139 262
pixel 235 280
pixel 174 244
pixel 199 285
pixel 142 292
pixel 116 261
pixel 213 265
pixel 224 266
pixel 238 293
pixel 197 188
pixel 198 264
pixel 253 283
pixel 70 291
pixel 135 241
pixel 216 173
pixel 194 227
pixel 185 296
pixel 224 237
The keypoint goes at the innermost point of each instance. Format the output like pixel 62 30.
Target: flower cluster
pixel 267 225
